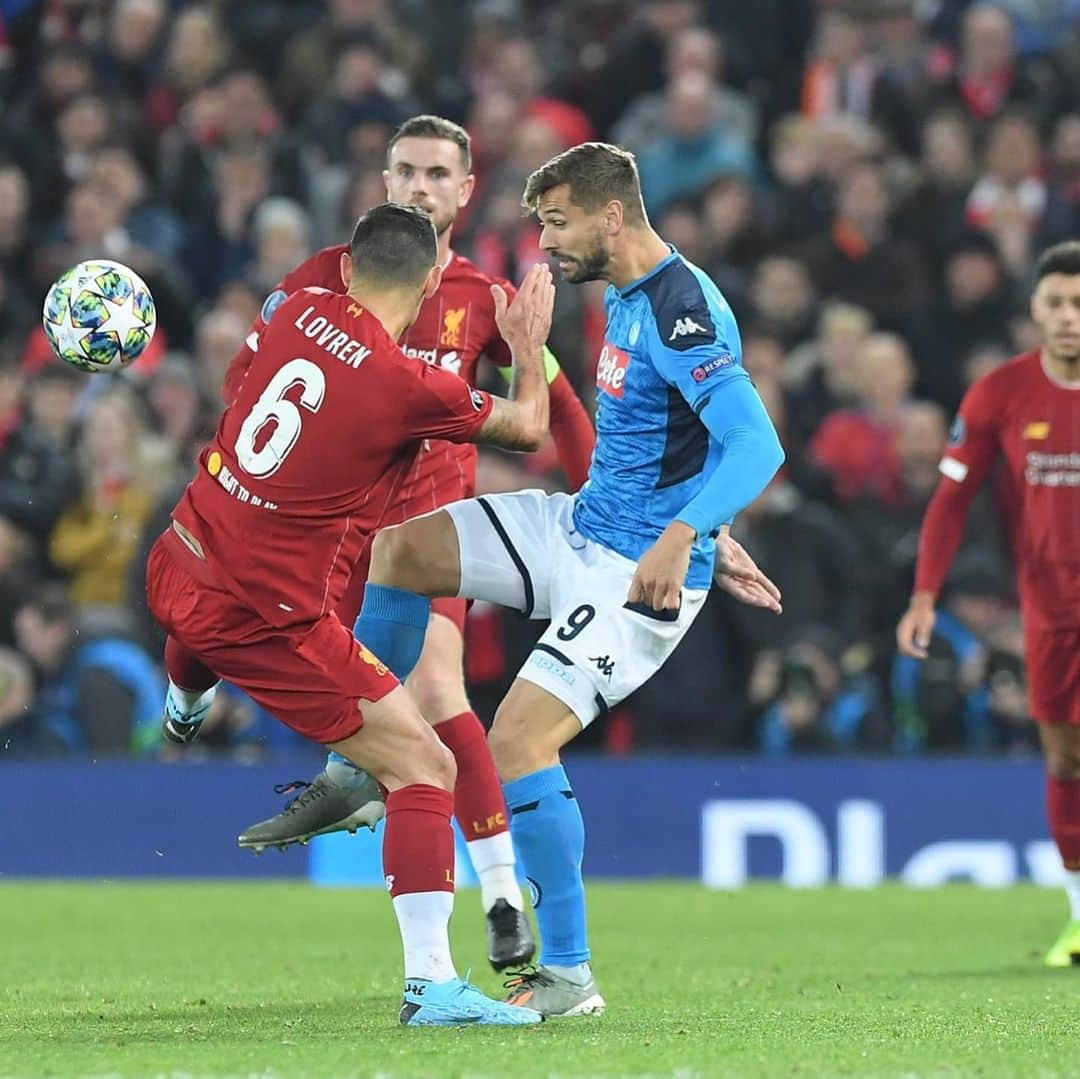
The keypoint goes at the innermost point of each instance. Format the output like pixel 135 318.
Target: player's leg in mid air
pixel 192 688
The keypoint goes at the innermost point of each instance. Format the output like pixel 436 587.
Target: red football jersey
pixel 454 329
pixel 1032 420
pixel 326 422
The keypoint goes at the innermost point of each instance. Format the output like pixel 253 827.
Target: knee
pixel 517 748
pixel 395 558
pixel 433 763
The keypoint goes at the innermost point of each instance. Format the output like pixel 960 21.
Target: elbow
pixel 775 456
pixel 531 440
pixel 770 456
pixel 533 434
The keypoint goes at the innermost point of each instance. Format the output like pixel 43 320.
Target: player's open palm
pixel 737 573
pixel 525 322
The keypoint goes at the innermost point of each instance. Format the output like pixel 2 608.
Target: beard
pixel 591 265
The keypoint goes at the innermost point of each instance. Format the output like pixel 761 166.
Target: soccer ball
pixel 99 315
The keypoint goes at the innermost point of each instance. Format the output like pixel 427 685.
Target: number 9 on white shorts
pixel 521 550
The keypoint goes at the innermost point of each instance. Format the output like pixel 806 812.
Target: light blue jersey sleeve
pixel 701 359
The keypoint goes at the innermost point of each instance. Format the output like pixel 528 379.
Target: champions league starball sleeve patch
pixel 271 304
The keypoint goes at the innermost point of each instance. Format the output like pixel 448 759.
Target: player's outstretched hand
pixel 915 629
pixel 526 322
pixel 737 574
pixel 661 571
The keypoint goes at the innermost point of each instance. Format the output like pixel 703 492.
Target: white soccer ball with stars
pixel 99 316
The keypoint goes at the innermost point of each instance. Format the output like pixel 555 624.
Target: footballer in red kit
pixel 428 166
pixel 328 418
pixel 1027 413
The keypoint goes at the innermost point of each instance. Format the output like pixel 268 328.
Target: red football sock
pixel 478 797
pixel 418 847
pixel 1063 811
pixel 187 671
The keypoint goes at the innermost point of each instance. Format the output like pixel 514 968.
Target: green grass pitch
pixel 287 980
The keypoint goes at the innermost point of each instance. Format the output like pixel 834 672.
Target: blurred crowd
pixel 867 181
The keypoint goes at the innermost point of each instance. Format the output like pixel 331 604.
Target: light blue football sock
pixel 549 835
pixel 392 625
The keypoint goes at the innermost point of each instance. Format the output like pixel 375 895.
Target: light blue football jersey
pixel 670 344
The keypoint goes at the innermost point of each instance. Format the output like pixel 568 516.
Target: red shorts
pixel 311 677
pixel 1052 657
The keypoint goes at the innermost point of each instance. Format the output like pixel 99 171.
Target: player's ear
pixel 386 181
pixel 346 269
pixel 465 192
pixel 613 217
pixel 434 279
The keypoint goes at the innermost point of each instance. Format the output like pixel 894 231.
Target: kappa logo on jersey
pixel 452 324
pixel 684 327
pixel 1037 431
pixel 958 432
pixel 717 363
pixel 611 370
pixel 272 303
pixel 477 399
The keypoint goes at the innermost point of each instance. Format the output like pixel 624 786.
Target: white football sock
pixel 424 920
pixel 189 705
pixel 493 859
pixel 1072 890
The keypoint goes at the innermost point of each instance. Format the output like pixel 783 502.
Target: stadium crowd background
pixel 868 182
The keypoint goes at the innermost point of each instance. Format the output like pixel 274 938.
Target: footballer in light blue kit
pixel 621 569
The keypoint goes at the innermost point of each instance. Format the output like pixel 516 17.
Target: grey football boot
pixel 321 807
pixel 552 995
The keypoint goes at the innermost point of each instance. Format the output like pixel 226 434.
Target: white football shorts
pixel 521 550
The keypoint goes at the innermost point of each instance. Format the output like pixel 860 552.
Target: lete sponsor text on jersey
pixel 611 370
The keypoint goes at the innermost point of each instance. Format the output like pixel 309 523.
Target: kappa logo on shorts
pixel 477 399
pixel 372 660
pixel 604 664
